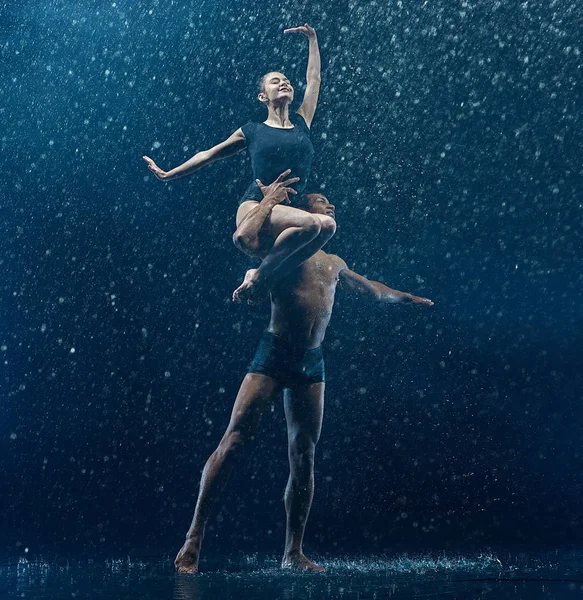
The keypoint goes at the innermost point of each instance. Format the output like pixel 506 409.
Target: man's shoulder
pixel 334 262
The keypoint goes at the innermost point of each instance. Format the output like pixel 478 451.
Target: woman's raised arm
pixel 308 107
pixel 233 144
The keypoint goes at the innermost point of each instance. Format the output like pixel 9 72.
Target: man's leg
pixel 304 408
pixel 255 395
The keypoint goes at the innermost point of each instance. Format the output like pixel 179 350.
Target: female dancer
pixel 279 146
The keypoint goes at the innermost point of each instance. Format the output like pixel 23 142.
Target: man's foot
pixel 300 563
pixel 252 290
pixel 186 560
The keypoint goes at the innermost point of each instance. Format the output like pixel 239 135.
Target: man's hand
pixel 305 29
pixel 277 192
pixel 160 174
pixel 418 299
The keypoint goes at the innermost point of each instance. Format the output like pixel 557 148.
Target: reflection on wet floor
pixel 551 575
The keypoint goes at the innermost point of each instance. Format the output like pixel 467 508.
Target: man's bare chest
pixel 320 270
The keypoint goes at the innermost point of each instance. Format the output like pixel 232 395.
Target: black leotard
pixel 273 150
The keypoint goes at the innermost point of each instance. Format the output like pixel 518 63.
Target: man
pixel 289 358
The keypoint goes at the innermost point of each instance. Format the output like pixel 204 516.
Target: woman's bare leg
pixel 327 230
pixel 297 235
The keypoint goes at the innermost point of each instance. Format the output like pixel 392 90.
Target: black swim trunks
pixel 288 364
pixel 274 150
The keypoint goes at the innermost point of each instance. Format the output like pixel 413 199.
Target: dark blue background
pixel 449 137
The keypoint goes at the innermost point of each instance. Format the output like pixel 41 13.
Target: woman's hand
pixel 305 29
pixel 155 168
pixel 313 73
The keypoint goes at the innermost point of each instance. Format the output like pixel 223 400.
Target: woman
pixel 279 146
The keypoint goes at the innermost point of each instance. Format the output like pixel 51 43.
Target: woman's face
pixel 276 89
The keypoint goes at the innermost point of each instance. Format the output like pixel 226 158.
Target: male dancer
pixel 289 358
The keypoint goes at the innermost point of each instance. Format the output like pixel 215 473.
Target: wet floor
pixel 549 575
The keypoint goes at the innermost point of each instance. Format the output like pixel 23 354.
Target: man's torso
pixel 302 302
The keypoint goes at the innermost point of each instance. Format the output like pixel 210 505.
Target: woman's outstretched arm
pixel 230 146
pixel 308 107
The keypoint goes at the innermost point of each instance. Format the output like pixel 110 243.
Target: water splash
pixel 405 564
pixel 260 575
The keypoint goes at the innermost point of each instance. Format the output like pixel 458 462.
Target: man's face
pixel 320 205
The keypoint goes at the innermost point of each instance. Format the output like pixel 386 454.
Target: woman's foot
pixel 298 561
pixel 186 560
pixel 252 290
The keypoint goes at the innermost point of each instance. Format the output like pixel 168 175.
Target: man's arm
pixel 246 238
pixel 374 289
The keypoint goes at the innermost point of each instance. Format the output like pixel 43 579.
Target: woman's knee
pixel 312 226
pixel 327 225
pixel 247 245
